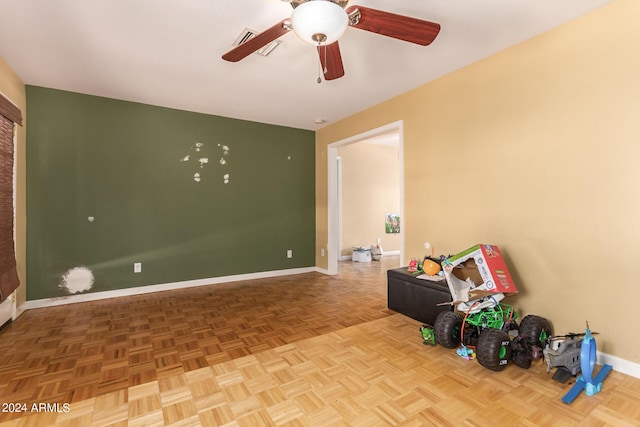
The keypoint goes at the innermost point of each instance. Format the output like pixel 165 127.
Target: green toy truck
pixel 478 280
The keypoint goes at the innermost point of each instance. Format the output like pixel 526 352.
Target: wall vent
pixel 247 34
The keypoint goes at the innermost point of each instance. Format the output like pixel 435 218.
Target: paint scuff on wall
pixel 77 280
pixel 203 161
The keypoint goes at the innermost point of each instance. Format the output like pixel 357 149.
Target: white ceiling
pixel 168 52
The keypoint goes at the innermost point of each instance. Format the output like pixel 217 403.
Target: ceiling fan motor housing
pixel 296 3
pixel 319 21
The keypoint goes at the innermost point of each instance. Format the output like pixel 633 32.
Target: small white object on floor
pixel 361 254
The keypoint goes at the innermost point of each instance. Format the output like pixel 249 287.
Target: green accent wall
pixel 111 183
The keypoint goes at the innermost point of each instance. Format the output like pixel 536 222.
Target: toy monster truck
pixel 495 335
pixel 481 319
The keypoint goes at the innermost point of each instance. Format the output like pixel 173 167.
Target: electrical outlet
pixel 322 252
pixel 137 267
pixel 289 253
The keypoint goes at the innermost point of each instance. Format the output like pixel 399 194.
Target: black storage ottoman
pixel 416 298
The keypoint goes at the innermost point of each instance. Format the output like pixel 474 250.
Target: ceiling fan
pixel 322 23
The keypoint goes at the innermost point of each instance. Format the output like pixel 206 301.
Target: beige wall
pixel 13 88
pixel 370 190
pixel 536 150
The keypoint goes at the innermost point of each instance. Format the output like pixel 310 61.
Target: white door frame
pixel 333 192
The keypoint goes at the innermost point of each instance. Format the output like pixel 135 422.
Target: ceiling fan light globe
pixel 319 17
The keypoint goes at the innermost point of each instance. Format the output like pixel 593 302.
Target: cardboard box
pixel 477 272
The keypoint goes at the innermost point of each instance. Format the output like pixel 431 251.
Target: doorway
pixel 335 187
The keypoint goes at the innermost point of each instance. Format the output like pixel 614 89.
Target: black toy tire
pixel 447 329
pixel 494 349
pixel 536 330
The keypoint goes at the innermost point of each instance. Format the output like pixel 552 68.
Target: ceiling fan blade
pixel 388 24
pixel 331 61
pixel 264 38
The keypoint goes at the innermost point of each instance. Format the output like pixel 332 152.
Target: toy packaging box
pixel 477 272
pixel 361 254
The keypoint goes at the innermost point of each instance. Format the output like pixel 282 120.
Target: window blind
pixel 9 114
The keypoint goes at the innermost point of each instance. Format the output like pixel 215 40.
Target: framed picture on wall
pixel 392 223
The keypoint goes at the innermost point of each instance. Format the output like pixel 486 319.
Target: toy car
pixel 481 320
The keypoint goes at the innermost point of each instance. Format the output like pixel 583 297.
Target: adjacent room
pixel 185 187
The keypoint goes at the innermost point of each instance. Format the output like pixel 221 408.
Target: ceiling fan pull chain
pixel 320 64
pixel 325 59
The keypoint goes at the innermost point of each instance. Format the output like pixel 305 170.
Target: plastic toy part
pixel 588 356
pixel 563 353
pixel 586 381
pixel 492 316
pixel 447 329
pixel 477 306
pixel 494 349
pixel 428 335
pixel 431 268
pixel 465 353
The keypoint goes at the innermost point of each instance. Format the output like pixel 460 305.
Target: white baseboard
pixel 391 253
pixel 50 302
pixel 618 364
pixel 324 271
pixel 386 253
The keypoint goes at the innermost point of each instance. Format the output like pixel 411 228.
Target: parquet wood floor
pixel 73 352
pixel 304 350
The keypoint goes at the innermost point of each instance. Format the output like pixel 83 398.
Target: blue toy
pixel 586 381
pixel 465 352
